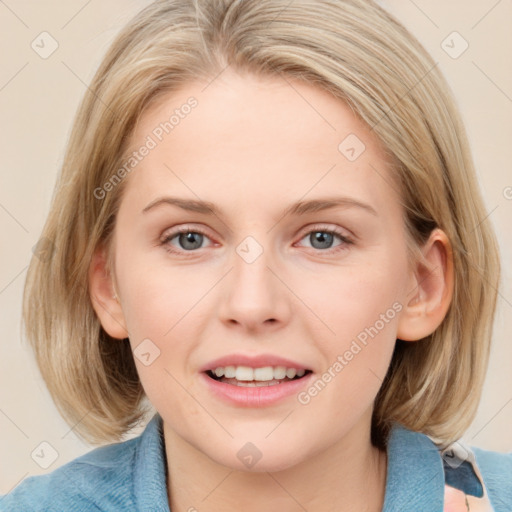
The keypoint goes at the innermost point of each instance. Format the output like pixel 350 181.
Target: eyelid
pixel 172 232
pixel 322 226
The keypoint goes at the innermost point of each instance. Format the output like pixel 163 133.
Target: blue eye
pixel 322 239
pixel 190 239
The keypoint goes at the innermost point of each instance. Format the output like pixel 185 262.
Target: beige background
pixel 38 98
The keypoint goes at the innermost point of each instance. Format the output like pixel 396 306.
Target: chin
pixel 259 457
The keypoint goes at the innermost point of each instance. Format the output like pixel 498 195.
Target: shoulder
pixel 496 471
pixel 423 474
pixel 98 480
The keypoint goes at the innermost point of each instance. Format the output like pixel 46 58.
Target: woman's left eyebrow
pixel 298 208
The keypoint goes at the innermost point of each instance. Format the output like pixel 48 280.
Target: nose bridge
pixel 251 277
pixel 255 295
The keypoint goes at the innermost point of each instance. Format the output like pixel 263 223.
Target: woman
pixel 286 373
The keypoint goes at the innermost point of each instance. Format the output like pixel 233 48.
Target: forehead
pixel 250 138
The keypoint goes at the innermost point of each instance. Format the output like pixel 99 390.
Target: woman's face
pixel 303 265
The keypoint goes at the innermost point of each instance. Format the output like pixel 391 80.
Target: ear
pixel 431 289
pixel 103 296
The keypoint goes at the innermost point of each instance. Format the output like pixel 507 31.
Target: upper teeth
pixel 262 374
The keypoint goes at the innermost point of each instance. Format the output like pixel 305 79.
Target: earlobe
pixel 431 290
pixel 104 298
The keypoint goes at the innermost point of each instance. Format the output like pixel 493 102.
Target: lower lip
pixel 256 396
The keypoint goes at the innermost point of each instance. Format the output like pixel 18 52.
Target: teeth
pixel 266 373
pixel 244 373
pixel 230 372
pixel 255 384
pixel 291 372
pixel 279 372
pixel 263 374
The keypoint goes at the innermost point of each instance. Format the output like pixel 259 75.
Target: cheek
pixel 360 307
pixel 159 311
pixel 363 316
pixel 350 300
pixel 165 307
pixel 157 295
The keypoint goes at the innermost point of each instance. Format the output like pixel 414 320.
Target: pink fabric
pixel 457 501
pixel 454 500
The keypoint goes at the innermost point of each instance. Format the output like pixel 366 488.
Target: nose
pixel 253 296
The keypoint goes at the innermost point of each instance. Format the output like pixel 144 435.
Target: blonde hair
pixel 351 48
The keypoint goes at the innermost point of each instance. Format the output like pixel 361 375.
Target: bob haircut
pixel 352 49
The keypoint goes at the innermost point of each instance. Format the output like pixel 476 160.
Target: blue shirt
pixel 131 476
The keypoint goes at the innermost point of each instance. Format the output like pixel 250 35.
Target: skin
pixel 253 146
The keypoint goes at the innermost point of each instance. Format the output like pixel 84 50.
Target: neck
pixel 347 477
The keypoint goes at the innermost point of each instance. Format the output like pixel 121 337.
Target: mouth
pixel 246 376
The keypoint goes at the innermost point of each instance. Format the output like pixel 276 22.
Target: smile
pixel 245 376
pixel 244 386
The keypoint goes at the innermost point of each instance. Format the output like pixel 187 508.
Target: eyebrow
pixel 298 208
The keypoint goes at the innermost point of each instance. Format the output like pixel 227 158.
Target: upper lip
pixel 254 361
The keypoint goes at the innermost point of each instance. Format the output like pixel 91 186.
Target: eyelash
pixel 321 229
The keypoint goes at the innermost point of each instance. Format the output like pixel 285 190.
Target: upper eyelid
pixel 322 226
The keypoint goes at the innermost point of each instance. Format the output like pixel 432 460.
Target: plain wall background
pixel 38 99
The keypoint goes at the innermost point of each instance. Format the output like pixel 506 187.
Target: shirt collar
pixel 415 476
pixel 150 471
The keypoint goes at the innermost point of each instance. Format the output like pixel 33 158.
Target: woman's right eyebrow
pixel 186 204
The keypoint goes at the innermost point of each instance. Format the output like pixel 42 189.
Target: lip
pixel 261 396
pixel 253 361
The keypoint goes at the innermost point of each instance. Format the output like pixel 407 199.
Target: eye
pixel 188 239
pixel 322 238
